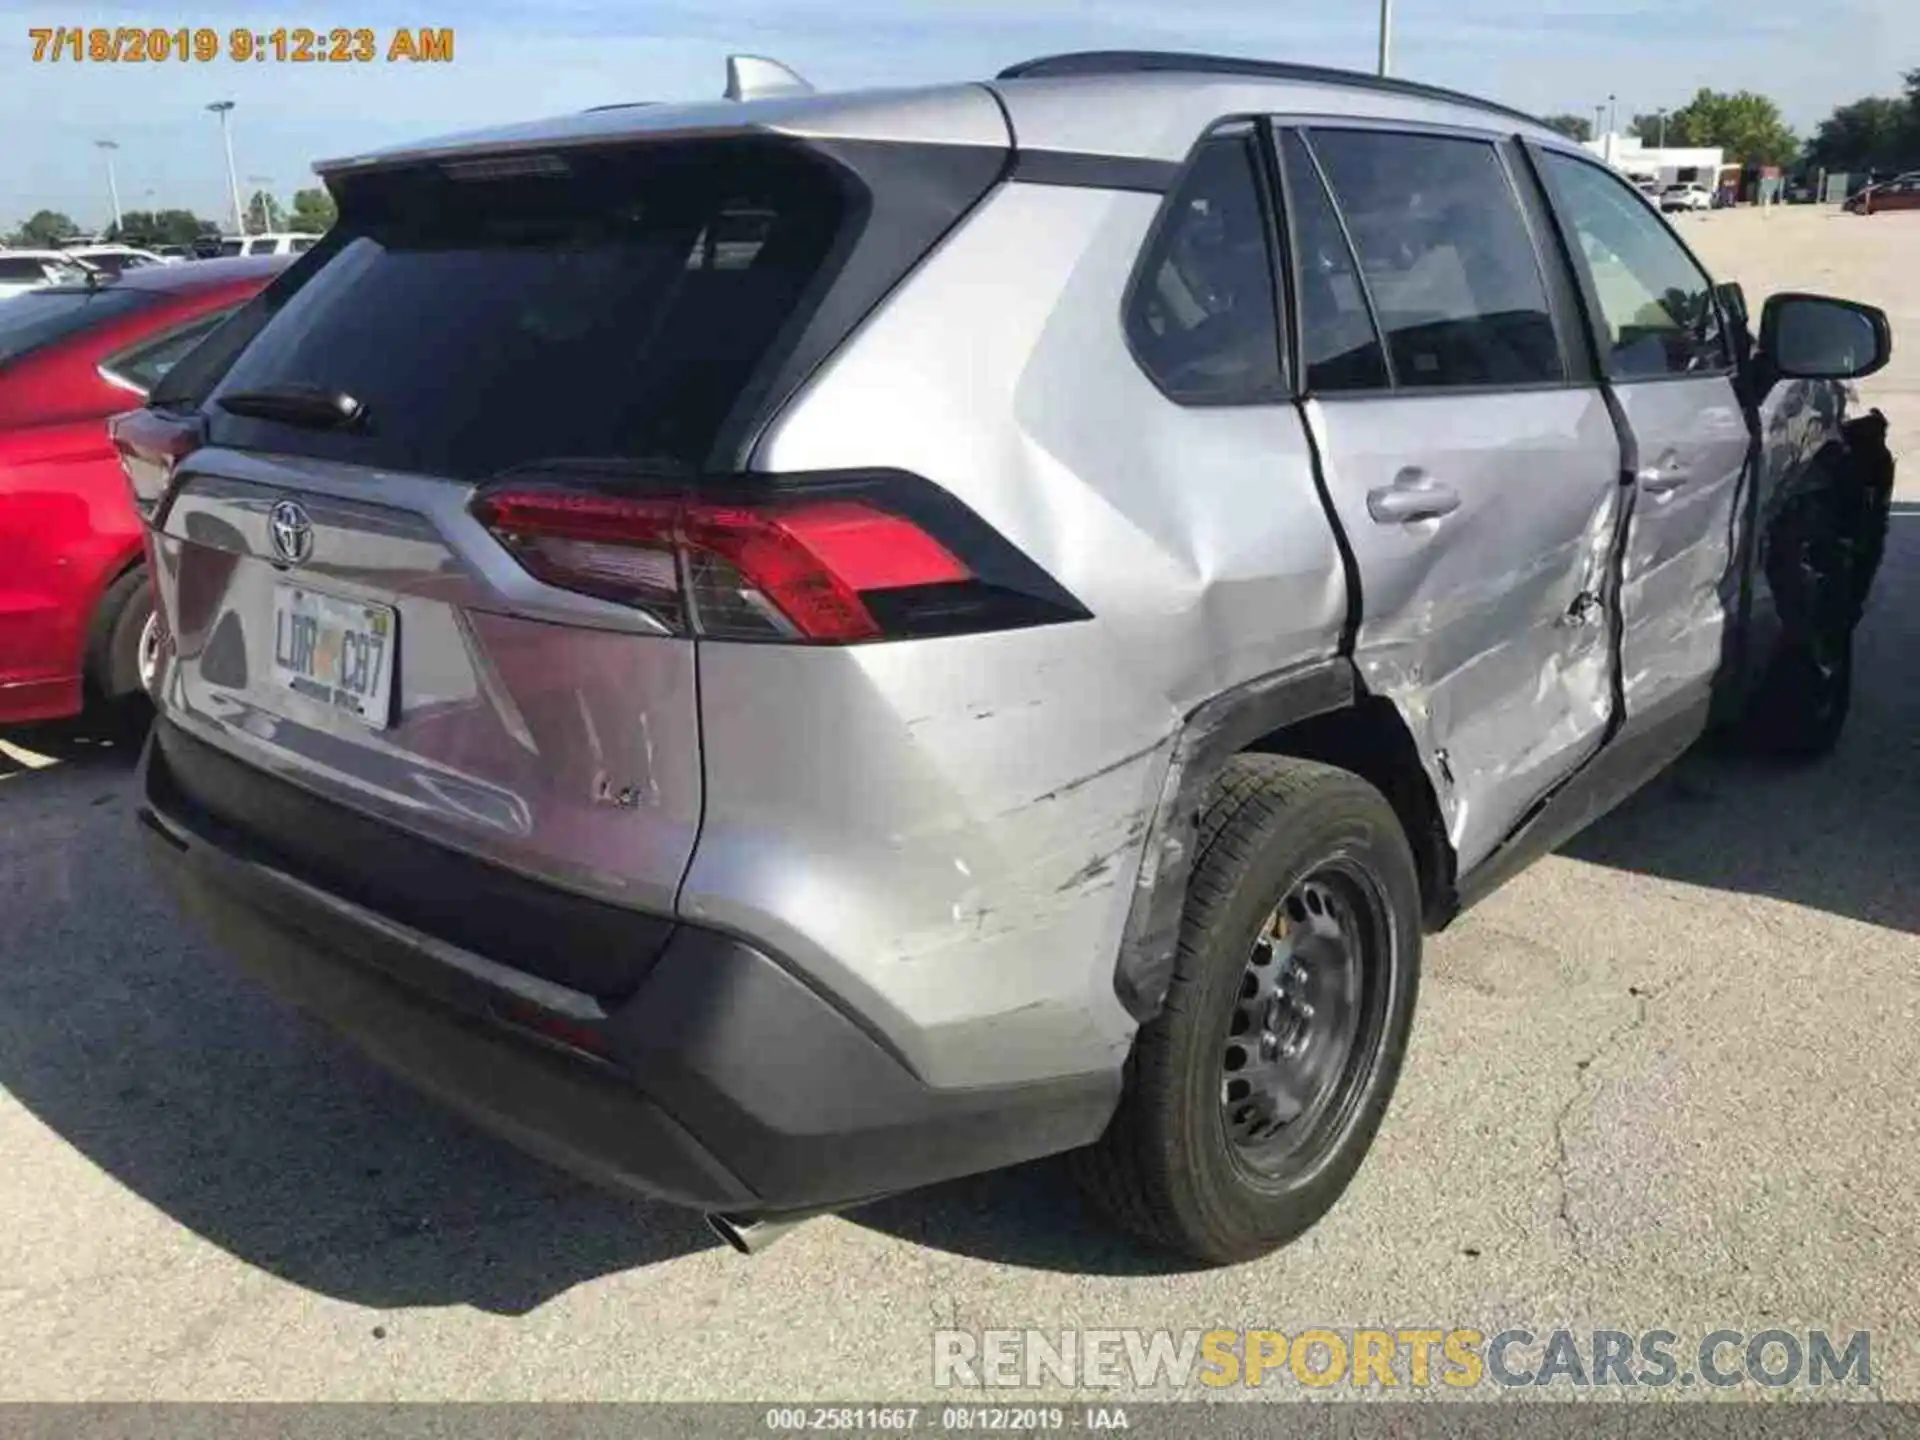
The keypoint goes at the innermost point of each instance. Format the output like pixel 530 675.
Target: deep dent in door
pixel 1504 676
pixel 1476 738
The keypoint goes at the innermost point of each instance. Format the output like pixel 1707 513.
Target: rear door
pixel 1668 361
pixel 1473 465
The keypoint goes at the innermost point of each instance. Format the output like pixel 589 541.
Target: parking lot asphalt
pixel 1661 1081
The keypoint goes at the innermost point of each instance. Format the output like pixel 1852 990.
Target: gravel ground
pixel 1661 1081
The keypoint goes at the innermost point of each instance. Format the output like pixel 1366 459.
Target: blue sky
pixel 515 62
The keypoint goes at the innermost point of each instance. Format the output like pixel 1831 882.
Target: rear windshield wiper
pixel 313 406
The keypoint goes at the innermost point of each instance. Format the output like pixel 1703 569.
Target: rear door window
pixel 1447 258
pixel 608 305
pixel 1339 346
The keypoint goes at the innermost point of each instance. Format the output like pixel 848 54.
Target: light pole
pixel 266 200
pixel 221 108
pixel 1613 115
pixel 1386 36
pixel 1663 128
pixel 107 147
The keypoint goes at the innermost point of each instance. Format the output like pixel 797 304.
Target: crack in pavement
pixel 1561 1165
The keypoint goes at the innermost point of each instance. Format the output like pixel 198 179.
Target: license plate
pixel 337 653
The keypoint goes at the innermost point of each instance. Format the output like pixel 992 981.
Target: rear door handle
pixel 1413 495
pixel 1667 476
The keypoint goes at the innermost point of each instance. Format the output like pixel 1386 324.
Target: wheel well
pixel 101 620
pixel 1370 739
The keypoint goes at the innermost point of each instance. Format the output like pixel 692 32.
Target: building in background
pixel 1674 165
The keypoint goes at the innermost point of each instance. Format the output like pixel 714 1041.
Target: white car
pixel 115 258
pixel 284 242
pixel 23 270
pixel 1686 197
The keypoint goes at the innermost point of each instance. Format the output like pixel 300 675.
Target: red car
pixel 74 607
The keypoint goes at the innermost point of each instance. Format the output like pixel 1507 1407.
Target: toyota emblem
pixel 291 532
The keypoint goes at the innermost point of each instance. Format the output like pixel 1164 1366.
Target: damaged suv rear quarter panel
pixel 956 816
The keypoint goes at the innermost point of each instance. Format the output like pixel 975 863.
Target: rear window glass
pixel 115 263
pixel 614 308
pixel 36 270
pixel 149 364
pixel 41 317
pixel 1203 319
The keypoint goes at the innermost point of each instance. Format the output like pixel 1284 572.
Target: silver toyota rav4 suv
pixel 779 651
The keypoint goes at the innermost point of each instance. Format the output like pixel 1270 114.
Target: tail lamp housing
pixel 152 444
pixel 835 559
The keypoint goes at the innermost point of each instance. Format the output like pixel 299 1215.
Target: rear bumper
pixel 723 1082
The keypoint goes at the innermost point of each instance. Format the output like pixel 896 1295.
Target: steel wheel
pixel 1305 1020
pixel 1252 1097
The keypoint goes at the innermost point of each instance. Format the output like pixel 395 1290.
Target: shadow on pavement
pixel 168 1069
pixel 1840 835
pixel 1031 1217
pixel 98 738
pixel 155 1058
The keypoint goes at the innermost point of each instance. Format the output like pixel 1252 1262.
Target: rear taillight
pixel 826 560
pixel 152 445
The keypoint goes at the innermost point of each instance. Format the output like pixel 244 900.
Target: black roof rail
pixel 1139 62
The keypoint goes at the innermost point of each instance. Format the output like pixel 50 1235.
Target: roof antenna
pixel 754 77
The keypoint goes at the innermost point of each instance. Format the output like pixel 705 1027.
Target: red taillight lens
pixel 812 560
pixel 151 447
pixel 794 569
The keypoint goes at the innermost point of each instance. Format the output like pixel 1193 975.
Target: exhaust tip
pixel 751 1235
pixel 729 1231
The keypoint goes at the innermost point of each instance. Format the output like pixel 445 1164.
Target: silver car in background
pixel 779 651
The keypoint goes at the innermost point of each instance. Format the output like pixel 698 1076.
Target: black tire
pixel 113 649
pixel 1800 707
pixel 1167 1169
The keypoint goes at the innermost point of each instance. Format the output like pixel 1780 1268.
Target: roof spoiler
pixel 754 77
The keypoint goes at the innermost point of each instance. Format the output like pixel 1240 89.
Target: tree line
pixel 1874 133
pixel 311 213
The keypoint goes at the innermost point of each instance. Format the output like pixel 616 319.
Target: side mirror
pixel 1813 337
